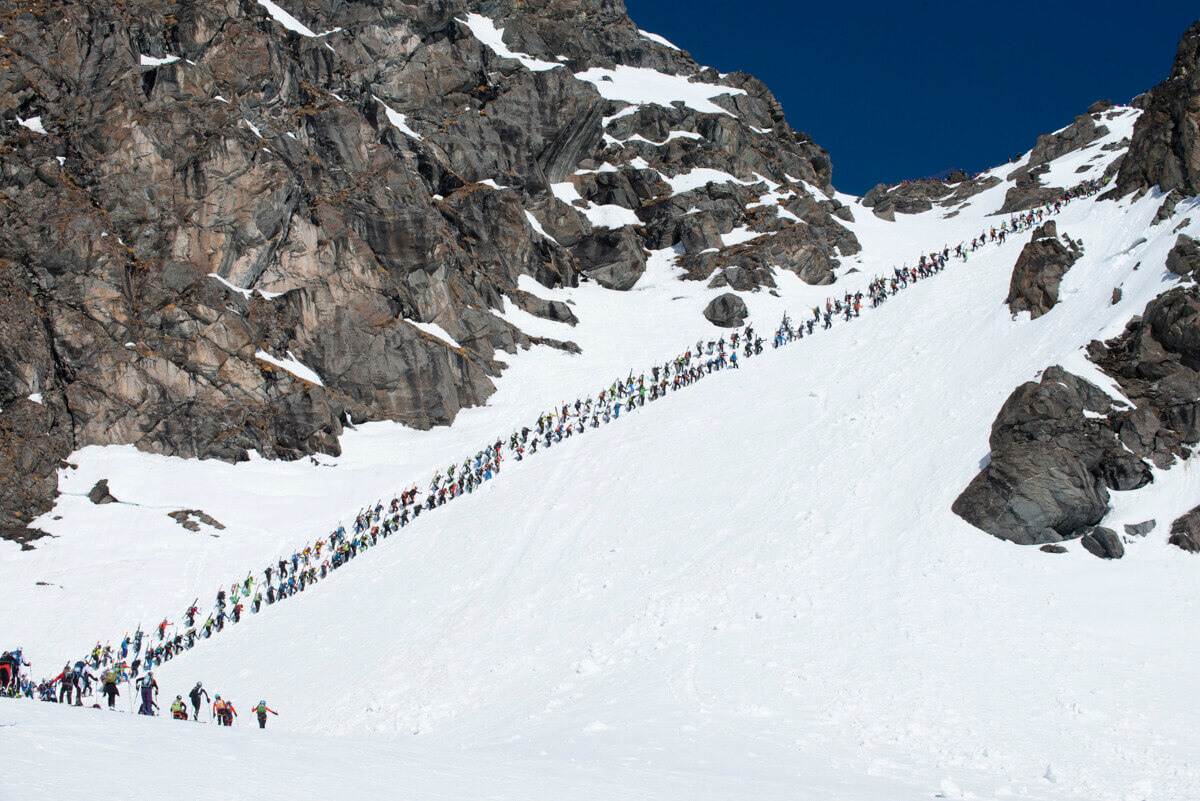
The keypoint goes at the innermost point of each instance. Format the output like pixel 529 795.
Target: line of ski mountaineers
pixel 291 575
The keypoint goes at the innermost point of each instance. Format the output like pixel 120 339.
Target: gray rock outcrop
pixel 1140 529
pixel 1039 271
pixel 1028 191
pixel 1104 543
pixel 1051 464
pixel 726 311
pixel 1184 257
pixel 1079 134
pixel 915 197
pixel 1155 362
pixel 1185 531
pixel 1165 147
pixel 99 494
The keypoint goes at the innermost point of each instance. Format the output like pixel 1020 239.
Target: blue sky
pixel 911 89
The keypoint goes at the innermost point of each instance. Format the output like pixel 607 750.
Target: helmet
pixel 218 698
pixel 262 703
pixel 179 698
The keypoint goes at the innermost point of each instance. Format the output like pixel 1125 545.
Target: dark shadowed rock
pixel 99 494
pixel 616 258
pixel 1140 529
pixel 1099 106
pixel 1104 543
pixel 1049 548
pixel 1051 464
pixel 1122 471
pixel 914 197
pixel 1184 258
pixel 184 518
pixel 1039 271
pixel 1165 149
pixel 1082 132
pixel 1027 190
pixel 554 310
pixel 1031 494
pixel 1167 209
pixel 1185 531
pixel 726 311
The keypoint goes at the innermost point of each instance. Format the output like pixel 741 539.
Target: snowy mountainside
pixel 754 586
pixel 238 227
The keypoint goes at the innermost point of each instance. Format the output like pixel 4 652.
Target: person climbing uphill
pixel 223 711
pixel 261 710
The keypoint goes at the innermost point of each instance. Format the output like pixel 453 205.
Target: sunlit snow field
pixel 754 588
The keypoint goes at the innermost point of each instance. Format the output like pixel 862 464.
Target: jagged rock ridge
pixel 1165 148
pixel 230 229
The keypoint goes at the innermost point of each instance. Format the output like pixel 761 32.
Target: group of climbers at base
pixel 294 573
pixel 76 682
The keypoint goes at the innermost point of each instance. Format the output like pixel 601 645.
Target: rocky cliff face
pixel 1165 150
pixel 222 228
pixel 1058 446
pixel 1039 271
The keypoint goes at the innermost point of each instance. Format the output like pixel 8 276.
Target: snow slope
pixel 754 588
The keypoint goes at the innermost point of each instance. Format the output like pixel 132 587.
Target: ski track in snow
pixel 755 588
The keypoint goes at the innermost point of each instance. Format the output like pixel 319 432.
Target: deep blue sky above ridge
pixel 914 89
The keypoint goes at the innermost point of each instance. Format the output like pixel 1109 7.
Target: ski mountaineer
pixel 194 695
pixel 110 690
pixel 261 710
pixel 223 711
pixel 148 687
pixel 178 708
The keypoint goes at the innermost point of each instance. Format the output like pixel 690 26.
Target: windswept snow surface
pixel 654 37
pixel 433 329
pixel 753 588
pixel 292 365
pixel 287 20
pixel 152 61
pixel 492 36
pixel 400 121
pixel 640 85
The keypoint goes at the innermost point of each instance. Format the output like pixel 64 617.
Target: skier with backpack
pixel 67 685
pixel 149 688
pixel 261 710
pixel 194 695
pixel 223 711
pixel 178 708
pixel 110 688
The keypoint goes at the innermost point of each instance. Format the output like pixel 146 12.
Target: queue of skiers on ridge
pixel 78 681
pixel 295 573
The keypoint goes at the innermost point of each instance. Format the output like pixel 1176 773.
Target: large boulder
pixel 1033 494
pixel 1165 149
pixel 1155 361
pixel 1082 132
pixel 1052 460
pixel 1184 257
pixel 1104 543
pixel 1028 191
pixel 726 311
pixel 615 257
pixel 1039 271
pixel 99 494
pixel 1185 531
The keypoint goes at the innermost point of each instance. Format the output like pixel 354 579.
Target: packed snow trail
pixel 374 522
